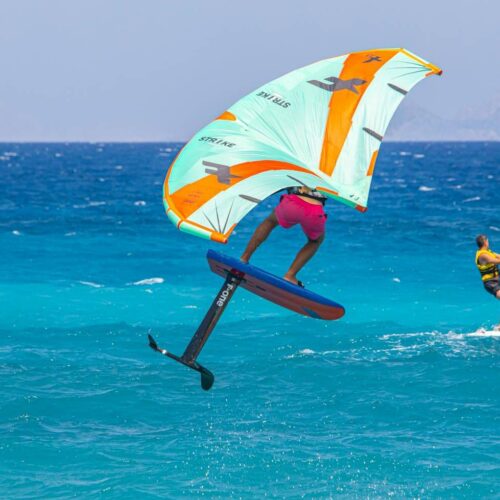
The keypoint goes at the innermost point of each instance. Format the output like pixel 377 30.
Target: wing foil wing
pixel 320 126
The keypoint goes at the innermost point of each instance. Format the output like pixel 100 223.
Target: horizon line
pixel 386 141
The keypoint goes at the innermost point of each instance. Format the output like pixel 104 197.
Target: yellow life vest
pixel 488 271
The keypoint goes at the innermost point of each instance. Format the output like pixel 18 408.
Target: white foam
pixel 404 153
pixel 72 233
pixel 494 228
pixel 190 307
pixel 310 352
pixel 139 203
pixel 426 188
pixel 149 281
pixel 302 352
pixel 474 198
pixel 396 280
pixel 91 284
pixel 481 332
pixel 388 336
pixel 418 155
pixel 16 232
pixel 91 204
pixel 306 352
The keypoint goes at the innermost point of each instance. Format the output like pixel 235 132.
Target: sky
pixel 151 70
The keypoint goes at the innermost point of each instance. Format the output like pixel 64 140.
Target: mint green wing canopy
pixel 320 126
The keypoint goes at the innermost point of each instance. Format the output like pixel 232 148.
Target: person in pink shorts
pixel 300 206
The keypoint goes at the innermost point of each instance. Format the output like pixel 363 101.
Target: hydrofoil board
pixel 275 289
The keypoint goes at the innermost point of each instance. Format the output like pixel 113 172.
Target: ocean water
pixel 399 398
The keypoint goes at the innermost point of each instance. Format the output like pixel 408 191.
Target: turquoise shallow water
pixel 399 398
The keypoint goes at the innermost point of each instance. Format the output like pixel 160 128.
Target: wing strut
pixel 193 349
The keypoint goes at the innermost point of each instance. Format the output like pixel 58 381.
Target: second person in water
pixel 487 263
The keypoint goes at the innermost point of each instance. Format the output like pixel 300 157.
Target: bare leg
pixel 305 253
pixel 259 236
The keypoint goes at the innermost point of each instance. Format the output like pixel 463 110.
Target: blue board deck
pixel 276 289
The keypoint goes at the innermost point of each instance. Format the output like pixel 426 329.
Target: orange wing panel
pixel 343 103
pixel 191 197
pixel 372 163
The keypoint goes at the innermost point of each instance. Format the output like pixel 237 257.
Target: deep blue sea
pixel 397 399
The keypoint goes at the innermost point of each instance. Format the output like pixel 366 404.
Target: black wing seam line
pixel 217 214
pixel 209 221
pixel 296 180
pixel 227 218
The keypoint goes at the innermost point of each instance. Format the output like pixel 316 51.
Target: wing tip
pixel 433 69
pixel 226 115
pixel 196 229
pixel 218 237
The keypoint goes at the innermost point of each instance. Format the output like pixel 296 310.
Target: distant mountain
pixel 417 124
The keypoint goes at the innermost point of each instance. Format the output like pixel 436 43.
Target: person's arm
pixel 490 259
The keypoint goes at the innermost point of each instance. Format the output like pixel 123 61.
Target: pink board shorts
pixel 294 210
